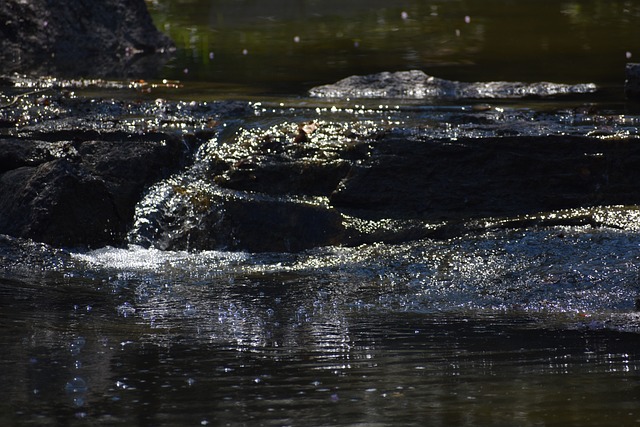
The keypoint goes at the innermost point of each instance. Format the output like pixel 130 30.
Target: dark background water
pixel 288 46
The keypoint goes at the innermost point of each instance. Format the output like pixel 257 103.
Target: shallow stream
pixel 501 325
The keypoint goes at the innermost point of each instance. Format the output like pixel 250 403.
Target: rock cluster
pixel 86 172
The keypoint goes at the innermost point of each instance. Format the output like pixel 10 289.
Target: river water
pixel 525 326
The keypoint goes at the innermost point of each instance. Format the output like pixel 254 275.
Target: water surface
pixel 290 46
pixel 499 326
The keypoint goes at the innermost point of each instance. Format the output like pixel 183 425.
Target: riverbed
pixel 527 320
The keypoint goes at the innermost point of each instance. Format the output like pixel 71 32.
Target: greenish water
pixel 288 46
pixel 500 327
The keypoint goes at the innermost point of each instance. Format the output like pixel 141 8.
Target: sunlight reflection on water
pixel 378 333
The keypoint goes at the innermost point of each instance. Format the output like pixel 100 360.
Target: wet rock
pixel 178 175
pixel 417 84
pixel 58 204
pixel 632 82
pixel 308 177
pixel 257 192
pixel 483 177
pixel 72 169
pixel 79 38
pixel 400 188
pixel 249 222
pixel 70 193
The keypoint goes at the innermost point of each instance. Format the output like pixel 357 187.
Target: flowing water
pixel 500 326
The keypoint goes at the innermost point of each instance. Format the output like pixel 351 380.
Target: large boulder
pixel 189 175
pixel 79 37
pixel 264 194
pixel 82 192
pixel 190 217
pixel 488 177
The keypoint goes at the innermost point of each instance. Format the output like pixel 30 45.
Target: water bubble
pixel 270 312
pixel 467 19
pixel 76 345
pixel 76 386
pixel 126 309
pixel 628 55
pixel 245 52
pixel 404 15
pixel 296 39
pixel 189 310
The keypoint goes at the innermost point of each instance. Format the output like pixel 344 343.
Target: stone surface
pixel 230 175
pixel 397 189
pixel 483 177
pixel 199 220
pixel 417 84
pixel 79 38
pixel 70 193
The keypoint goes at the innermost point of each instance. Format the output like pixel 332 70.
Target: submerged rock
pixel 417 84
pixel 79 38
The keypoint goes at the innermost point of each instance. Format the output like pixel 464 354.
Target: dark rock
pixel 467 178
pixel 252 223
pixel 307 177
pixel 403 189
pixel 92 172
pixel 73 169
pixel 56 203
pixel 417 84
pixel 80 37
pixel 632 82
pixel 80 193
